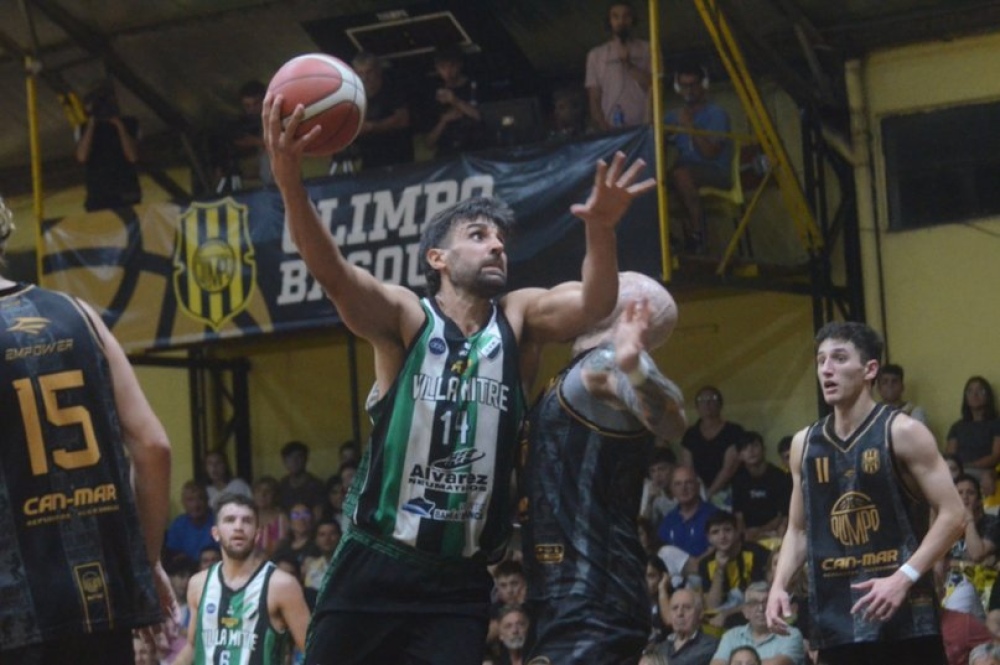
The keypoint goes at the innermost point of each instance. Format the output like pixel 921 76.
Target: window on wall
pixel 942 166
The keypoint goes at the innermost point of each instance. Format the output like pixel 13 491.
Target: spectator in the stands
pixel 976 437
pixel 300 542
pixel 298 485
pixel 656 498
pixel 619 73
pixel 891 388
pixel 730 569
pixel 772 648
pixel 221 480
pixel 108 147
pixel 979 542
pixel 761 491
pixel 687 644
pixel 569 114
pixel 657 583
pixel 328 534
pixel 785 451
pixel 333 507
pixel 248 134
pixel 683 530
pixel 457 124
pixel 955 467
pixel 711 443
pixel 191 531
pixel 272 519
pixel 385 137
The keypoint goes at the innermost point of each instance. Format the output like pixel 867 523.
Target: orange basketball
pixel 333 97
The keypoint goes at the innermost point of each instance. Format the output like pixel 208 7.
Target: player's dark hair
pixel 747 648
pixel 661 455
pixel 991 402
pixel 719 518
pixel 436 230
pixel 892 369
pixel 863 337
pixel 232 498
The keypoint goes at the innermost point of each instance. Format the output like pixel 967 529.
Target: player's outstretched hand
pixel 630 334
pixel 779 611
pixel 614 190
pixel 885 595
pixel 284 149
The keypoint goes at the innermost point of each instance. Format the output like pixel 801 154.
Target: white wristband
pixel 910 572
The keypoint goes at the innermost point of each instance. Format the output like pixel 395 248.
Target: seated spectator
pixel 510 586
pixel 687 644
pixel 978 544
pixel 191 531
pixel 458 124
pixel 273 522
pixel 890 389
pixel 385 137
pixel 221 480
pixel 976 437
pixel 703 158
pixel 209 556
pixel 248 135
pixel 772 648
pixel 349 452
pixel 348 470
pixel 962 616
pixel 955 467
pixel 300 542
pixel 569 114
pixel 785 451
pixel 683 528
pixel 180 569
pixel 657 587
pixel 298 485
pixel 513 631
pixel 333 507
pixel 327 538
pixel 107 146
pixel 730 569
pixel 656 499
pixel 711 443
pixel 761 491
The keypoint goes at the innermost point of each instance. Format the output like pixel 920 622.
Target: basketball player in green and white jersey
pixel 429 506
pixel 244 609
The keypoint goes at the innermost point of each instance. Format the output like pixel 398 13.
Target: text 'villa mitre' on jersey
pixel 462 389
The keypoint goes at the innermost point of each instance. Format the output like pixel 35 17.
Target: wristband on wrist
pixel 910 572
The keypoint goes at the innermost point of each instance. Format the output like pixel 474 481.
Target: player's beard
pixel 240 553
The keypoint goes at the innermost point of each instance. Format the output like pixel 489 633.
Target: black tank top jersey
pixel 72 557
pixel 861 523
pixel 582 480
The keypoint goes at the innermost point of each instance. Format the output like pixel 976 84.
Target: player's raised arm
pixel 375 311
pixel 561 314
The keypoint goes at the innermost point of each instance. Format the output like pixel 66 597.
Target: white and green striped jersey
pixel 233 625
pixel 436 474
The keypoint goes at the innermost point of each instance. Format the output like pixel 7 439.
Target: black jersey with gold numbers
pixel 861 523
pixel 72 556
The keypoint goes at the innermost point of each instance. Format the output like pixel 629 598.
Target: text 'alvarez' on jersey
pixel 861 523
pixel 72 555
pixel 436 473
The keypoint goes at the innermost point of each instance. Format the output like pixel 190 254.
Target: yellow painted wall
pixel 940 284
pixel 167 392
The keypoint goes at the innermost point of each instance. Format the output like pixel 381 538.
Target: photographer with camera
pixel 108 146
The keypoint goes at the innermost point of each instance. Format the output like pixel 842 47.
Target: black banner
pixel 167 275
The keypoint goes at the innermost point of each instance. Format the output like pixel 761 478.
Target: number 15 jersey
pixel 72 556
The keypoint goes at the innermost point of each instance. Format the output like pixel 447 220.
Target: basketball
pixel 333 97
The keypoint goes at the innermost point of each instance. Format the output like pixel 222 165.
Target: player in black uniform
pixel 863 479
pixel 589 442
pixel 409 580
pixel 79 546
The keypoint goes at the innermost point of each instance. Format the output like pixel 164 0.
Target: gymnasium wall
pixel 940 284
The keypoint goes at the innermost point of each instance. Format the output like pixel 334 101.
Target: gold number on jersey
pixel 823 469
pixel 50 385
